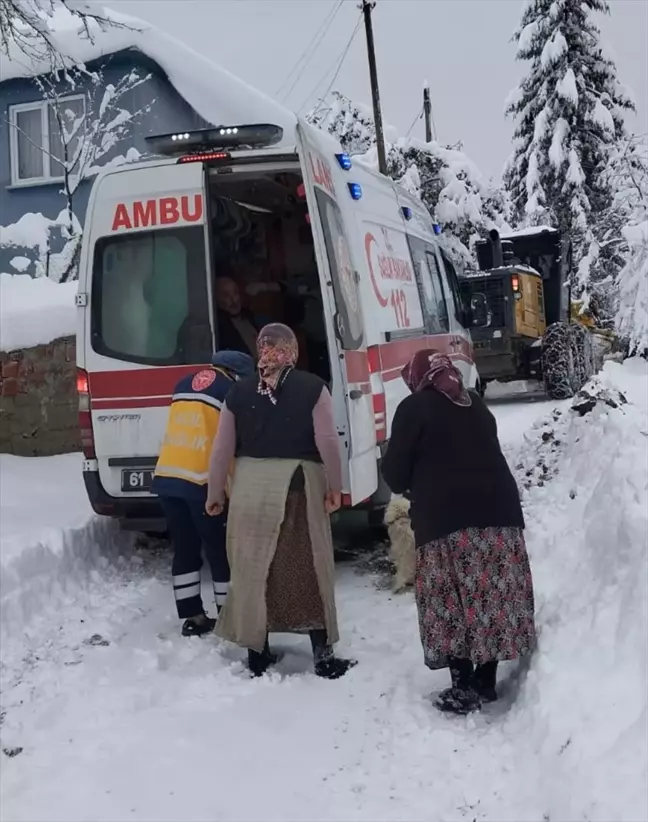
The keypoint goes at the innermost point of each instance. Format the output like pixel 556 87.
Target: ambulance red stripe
pixel 392 356
pixel 141 382
pixel 153 387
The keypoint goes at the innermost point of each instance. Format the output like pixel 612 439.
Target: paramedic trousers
pixel 191 528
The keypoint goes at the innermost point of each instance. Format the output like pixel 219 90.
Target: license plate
pixel 137 480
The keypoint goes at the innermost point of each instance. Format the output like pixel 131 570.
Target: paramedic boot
pixel 198 625
pixel 461 698
pixel 327 665
pixel 260 661
pixel 485 679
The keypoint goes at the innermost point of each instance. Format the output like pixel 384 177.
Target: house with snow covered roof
pixel 139 81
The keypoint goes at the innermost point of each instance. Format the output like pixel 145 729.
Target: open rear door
pixel 326 187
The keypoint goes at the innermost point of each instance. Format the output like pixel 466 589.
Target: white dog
pixel 402 551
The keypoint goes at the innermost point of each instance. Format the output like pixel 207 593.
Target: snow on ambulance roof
pixel 216 95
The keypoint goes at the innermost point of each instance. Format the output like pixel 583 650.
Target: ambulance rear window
pixel 149 297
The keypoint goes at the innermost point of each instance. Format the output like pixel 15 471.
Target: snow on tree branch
pixel 569 115
pixel 443 177
pixel 27 28
pixel 85 132
pixel 629 174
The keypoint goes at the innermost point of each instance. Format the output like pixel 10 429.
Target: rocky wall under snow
pixel 38 400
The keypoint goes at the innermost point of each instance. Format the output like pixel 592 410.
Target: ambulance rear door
pixel 332 224
pixel 148 315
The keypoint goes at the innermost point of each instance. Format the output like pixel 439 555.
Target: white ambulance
pixel 355 252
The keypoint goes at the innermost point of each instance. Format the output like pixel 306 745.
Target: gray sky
pixel 462 47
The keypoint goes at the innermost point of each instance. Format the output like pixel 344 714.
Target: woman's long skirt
pixel 474 595
pixel 293 597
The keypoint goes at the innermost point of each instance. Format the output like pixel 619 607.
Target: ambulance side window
pixel 149 297
pixel 453 281
pixel 348 317
pixel 428 277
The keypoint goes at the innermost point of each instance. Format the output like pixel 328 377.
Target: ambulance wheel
pixel 558 359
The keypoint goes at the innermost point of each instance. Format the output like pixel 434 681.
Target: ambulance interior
pixel 262 241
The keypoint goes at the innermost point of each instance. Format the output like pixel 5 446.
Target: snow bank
pixel 218 96
pixel 584 706
pixel 50 540
pixel 30 231
pixel 34 311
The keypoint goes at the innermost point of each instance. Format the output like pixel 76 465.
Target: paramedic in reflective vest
pixel 181 484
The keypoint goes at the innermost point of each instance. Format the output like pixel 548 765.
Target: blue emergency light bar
pixel 215 139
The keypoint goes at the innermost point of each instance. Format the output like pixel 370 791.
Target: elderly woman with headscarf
pixel 473 585
pixel 279 428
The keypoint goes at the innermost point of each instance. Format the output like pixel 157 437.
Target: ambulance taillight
pixel 85 417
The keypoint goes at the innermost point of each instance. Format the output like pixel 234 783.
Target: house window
pixel 37 141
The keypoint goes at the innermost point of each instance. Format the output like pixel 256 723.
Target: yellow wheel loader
pixel 523 328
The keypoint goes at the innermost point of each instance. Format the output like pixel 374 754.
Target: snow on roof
pixel 35 311
pixel 216 95
pixel 529 231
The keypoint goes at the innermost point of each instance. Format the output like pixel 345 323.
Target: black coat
pixel 228 335
pixel 447 459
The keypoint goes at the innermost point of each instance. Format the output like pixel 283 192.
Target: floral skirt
pixel 474 596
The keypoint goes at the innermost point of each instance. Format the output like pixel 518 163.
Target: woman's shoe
pixel 260 661
pixel 327 665
pixel 484 681
pixel 485 693
pixel 198 625
pixel 460 701
pixel 333 667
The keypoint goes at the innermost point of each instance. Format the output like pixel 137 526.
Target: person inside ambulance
pixel 237 326
pixel 180 482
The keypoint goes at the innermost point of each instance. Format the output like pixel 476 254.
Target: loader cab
pixel 519 290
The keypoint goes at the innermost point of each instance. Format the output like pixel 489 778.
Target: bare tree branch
pixel 26 28
pixel 83 139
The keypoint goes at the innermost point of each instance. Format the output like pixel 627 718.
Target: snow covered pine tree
pixel 629 170
pixel 569 113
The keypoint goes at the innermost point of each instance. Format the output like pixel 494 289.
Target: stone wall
pixel 38 400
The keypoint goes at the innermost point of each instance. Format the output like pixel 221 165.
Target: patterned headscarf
pixel 278 352
pixel 431 369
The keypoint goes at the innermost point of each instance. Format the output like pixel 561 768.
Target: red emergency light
pixel 205 157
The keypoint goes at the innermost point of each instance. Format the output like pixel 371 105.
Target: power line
pixel 309 51
pixel 415 121
pixel 324 24
pixel 435 133
pixel 340 62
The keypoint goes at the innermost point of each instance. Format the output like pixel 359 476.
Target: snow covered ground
pixel 108 714
pixel 35 311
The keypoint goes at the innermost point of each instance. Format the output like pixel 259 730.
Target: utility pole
pixel 367 7
pixel 427 111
